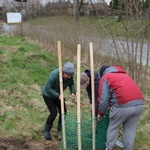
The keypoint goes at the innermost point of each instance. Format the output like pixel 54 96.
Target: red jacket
pixel 118 89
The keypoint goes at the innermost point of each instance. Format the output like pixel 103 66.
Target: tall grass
pixel 47 31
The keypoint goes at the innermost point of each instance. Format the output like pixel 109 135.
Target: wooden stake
pixel 78 96
pixel 93 94
pixel 61 93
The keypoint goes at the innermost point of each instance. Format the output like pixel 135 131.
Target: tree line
pixel 37 8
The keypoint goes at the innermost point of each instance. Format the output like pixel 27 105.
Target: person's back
pixel 119 91
pixel 124 91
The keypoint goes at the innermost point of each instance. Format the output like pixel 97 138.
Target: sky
pixel 45 1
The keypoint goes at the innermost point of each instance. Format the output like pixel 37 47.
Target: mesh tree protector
pixel 86 132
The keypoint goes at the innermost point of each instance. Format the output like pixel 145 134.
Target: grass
pixel 128 36
pixel 48 30
pixel 24 70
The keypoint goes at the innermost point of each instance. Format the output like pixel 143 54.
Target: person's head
pixel 102 69
pixel 68 70
pixel 84 80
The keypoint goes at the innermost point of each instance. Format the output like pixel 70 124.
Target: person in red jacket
pixel 119 92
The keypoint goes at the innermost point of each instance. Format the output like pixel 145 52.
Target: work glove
pixel 99 117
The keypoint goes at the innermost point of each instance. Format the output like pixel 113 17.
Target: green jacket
pixel 52 86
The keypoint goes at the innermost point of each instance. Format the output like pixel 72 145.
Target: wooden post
pixel 93 94
pixel 78 97
pixel 61 93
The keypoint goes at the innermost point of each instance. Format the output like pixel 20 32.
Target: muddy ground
pixel 24 144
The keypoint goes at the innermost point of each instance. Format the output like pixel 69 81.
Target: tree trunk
pixel 76 9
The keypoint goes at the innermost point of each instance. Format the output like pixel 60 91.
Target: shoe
pixel 47 132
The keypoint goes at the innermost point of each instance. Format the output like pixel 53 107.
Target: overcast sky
pixel 45 1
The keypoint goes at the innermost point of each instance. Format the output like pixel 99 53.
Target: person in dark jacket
pixel 52 97
pixel 119 92
pixel 85 82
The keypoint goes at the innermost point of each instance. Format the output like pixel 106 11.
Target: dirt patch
pixel 21 144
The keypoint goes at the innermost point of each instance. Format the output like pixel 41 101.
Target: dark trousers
pixel 53 105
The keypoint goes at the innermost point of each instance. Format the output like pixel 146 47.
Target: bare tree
pixel 76 9
pixel 134 47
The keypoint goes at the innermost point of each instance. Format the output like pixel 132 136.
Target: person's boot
pixel 47 131
pixel 59 127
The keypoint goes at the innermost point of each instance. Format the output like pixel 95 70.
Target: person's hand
pixel 59 97
pixel 72 96
pixel 99 117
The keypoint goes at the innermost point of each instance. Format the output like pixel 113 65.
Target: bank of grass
pixel 48 30
pixel 24 70
pixel 93 25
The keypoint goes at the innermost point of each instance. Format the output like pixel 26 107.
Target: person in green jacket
pixel 52 97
